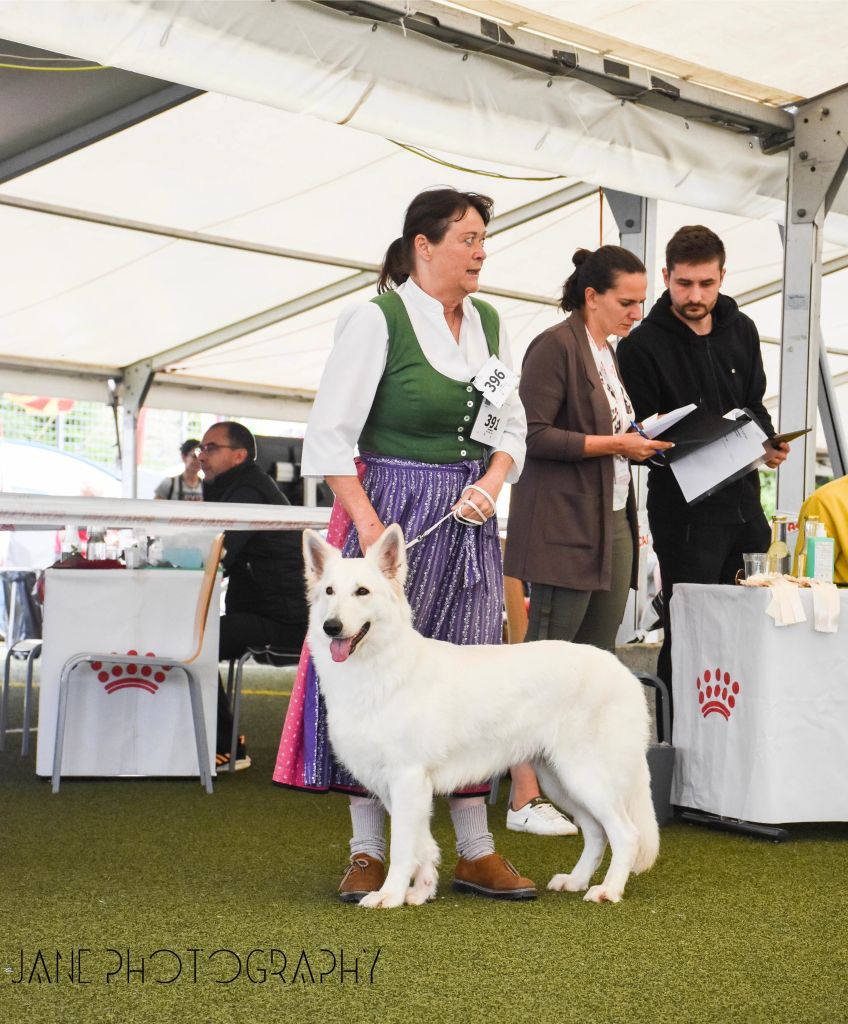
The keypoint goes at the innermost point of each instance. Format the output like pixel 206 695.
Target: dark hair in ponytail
pixel 430 214
pixel 597 270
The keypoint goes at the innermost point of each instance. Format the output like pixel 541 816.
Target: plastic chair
pixel 31 647
pixel 204 600
pixel 278 656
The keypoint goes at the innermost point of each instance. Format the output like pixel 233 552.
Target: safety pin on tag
pixel 495 381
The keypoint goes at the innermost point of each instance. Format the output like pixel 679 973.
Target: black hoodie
pixel 265 567
pixel 665 365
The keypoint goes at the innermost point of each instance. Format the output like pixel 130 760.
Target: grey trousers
pixel 586 616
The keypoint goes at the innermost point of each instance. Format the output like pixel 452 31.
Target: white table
pixel 771 743
pixel 125 723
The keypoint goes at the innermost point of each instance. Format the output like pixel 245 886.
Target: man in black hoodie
pixel 696 346
pixel 265 601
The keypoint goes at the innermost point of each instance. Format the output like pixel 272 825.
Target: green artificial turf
pixel 724 928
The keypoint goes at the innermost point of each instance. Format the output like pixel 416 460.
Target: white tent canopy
pixel 215 242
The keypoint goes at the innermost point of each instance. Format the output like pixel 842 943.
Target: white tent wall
pixel 248 165
pixel 304 58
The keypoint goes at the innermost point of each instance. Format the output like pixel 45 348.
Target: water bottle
pixel 96 550
pixel 777 559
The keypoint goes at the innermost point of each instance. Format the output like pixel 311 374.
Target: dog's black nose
pixel 332 627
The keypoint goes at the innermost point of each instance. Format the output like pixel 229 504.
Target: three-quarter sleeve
pixel 346 392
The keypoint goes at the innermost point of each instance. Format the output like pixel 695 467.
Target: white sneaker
pixel 540 818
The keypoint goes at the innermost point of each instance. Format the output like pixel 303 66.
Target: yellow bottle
pixel 778 552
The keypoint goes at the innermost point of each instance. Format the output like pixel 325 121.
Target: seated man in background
pixel 830 504
pixel 265 601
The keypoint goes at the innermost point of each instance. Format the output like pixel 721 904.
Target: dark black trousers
pixel 240 630
pixel 699 553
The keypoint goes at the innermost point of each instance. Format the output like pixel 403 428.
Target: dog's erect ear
pixel 316 551
pixel 389 552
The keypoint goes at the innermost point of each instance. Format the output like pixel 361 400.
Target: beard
pixel 692 311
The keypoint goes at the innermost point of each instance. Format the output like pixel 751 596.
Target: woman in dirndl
pixel 398 385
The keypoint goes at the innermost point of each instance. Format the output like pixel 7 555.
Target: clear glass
pixel 755 563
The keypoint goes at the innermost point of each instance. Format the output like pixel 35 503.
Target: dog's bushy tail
pixel 640 809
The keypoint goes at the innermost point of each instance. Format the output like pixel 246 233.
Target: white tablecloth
pixel 125 722
pixel 760 711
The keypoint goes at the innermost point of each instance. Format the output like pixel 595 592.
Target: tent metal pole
pixel 636 218
pixel 133 390
pixel 817 166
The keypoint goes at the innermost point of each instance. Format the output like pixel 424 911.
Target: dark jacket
pixel 265 567
pixel 665 365
pixel 560 511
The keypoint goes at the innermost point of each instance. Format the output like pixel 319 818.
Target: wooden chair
pixel 516 630
pixel 516 610
pixel 201 616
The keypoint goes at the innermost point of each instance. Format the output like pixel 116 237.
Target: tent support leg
pixel 818 161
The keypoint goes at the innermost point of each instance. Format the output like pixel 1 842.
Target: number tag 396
pixel 495 381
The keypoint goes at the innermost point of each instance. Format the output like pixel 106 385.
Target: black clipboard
pixel 699 428
pixel 790 435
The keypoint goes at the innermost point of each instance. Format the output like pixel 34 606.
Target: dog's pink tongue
pixel 340 648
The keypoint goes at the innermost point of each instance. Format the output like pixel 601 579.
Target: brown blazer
pixel 560 511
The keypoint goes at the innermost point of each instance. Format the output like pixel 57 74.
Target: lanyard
pixel 457 514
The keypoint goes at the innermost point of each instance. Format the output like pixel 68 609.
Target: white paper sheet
pixel 706 469
pixel 654 425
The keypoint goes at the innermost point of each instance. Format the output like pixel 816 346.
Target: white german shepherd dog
pixel 410 717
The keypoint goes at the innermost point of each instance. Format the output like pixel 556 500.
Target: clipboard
pixel 708 468
pixel 696 430
pixel 790 435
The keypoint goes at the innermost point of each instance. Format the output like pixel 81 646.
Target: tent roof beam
pixel 96 129
pixel 630 82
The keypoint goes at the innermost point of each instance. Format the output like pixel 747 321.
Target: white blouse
pixel 356 364
pixel 621 411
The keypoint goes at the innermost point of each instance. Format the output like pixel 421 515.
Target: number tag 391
pixel 495 381
pixel 489 425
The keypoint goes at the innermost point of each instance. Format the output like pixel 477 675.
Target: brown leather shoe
pixel 494 876
pixel 364 874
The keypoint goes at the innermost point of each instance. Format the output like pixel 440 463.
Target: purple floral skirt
pixel 454 586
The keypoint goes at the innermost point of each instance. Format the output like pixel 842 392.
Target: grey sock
pixel 473 838
pixel 368 817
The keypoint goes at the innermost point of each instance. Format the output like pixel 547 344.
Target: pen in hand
pixel 655 454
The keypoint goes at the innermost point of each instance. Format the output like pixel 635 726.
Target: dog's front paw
pixel 382 899
pixel 567 883
pixel 422 890
pixel 603 894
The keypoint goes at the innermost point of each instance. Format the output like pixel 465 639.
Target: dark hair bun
pixel 597 270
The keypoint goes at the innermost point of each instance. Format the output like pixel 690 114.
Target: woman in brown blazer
pixel 572 515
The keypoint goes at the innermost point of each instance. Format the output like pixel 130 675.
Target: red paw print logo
pixel 127 677
pixel 717 693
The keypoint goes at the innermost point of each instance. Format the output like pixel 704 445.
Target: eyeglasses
pixel 210 447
